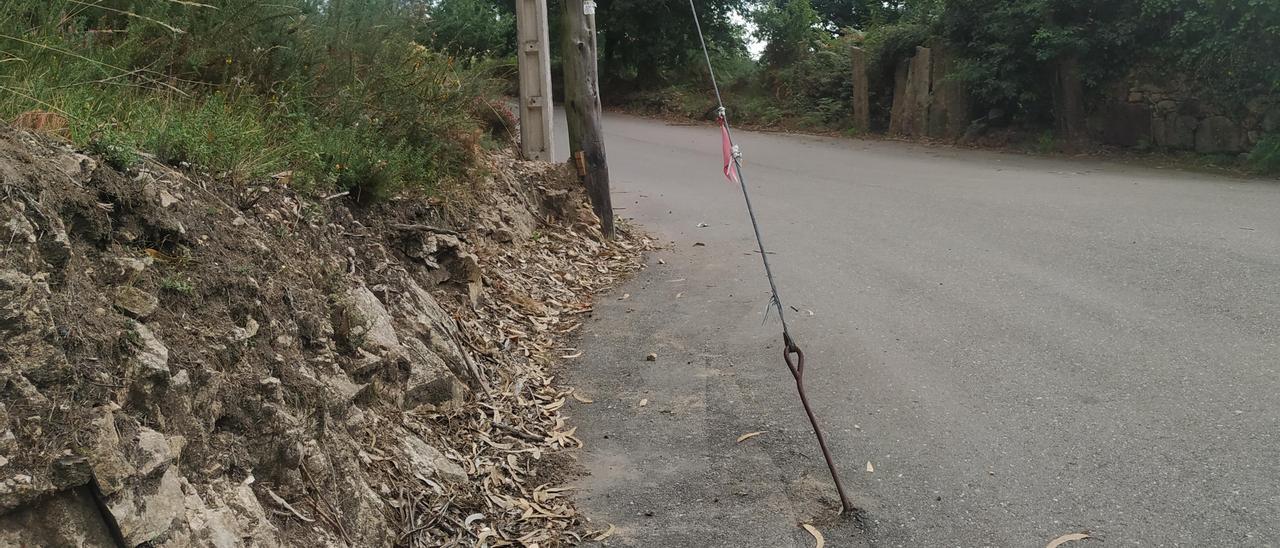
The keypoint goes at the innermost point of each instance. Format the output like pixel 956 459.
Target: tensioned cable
pixel 791 352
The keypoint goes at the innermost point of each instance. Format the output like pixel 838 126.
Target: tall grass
pixel 337 91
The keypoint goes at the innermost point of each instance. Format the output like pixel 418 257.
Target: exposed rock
pixel 136 303
pixel 16 291
pixel 439 330
pixel 153 356
pixel 1219 134
pixel 68 519
pixel 241 334
pixel 1123 124
pixel 1175 131
pixel 430 379
pixel 111 469
pixel 14 225
pixel 147 511
pixel 77 166
pixel 127 269
pixel 204 526
pixel 155 451
pixel 428 462
pixel 363 322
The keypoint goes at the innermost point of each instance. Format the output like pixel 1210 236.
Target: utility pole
pixel 589 8
pixel 582 107
pixel 534 60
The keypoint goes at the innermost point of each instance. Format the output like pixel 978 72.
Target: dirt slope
pixel 187 363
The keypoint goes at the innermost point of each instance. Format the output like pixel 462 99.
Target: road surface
pixel 1020 347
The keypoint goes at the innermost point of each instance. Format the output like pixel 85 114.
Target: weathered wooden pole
pixel 582 108
pixel 534 60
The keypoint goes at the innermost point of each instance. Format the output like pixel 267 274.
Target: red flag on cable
pixel 730 170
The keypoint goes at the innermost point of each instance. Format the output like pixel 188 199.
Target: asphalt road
pixel 1021 347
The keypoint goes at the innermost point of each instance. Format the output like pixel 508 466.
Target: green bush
pixel 221 135
pixel 247 88
pixel 1265 157
pixel 118 149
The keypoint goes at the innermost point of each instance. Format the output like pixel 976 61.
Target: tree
pixel 790 27
pixel 472 27
pixel 647 43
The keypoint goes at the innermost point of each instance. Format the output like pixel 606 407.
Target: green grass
pixel 343 97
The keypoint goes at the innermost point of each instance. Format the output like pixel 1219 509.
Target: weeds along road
pixel 1021 347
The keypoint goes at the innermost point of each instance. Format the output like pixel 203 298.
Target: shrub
pixel 116 148
pixel 1265 157
pixel 251 87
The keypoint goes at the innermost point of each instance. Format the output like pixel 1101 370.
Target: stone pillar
pixel 949 106
pixel 861 97
pixel 1068 99
pixel 911 95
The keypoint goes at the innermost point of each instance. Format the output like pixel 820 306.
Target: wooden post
pixel 582 107
pixel 861 97
pixel 534 60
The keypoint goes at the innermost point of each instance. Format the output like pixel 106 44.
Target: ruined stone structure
pixel 926 102
pixel 1141 113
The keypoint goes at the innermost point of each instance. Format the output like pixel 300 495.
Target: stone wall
pixel 1140 113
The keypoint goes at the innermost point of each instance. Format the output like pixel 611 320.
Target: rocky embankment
pixel 188 362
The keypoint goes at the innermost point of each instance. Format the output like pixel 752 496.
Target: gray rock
pixel 430 379
pixel 155 452
pixel 363 321
pixel 111 469
pixel 1219 134
pixel 16 290
pixel 147 511
pixel 67 519
pixel 427 461
pixel 55 246
pixel 127 269
pixel 136 303
pixel 14 226
pixel 153 356
pixel 1175 131
pixel 77 166
pixel 439 331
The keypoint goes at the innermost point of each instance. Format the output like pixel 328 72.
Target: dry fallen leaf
pixel 749 435
pixel 1067 538
pixel 582 399
pixel 870 468
pixel 604 534
pixel 817 536
pixel 644 402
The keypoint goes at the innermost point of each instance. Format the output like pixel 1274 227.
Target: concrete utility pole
pixel 589 8
pixel 582 107
pixel 534 59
